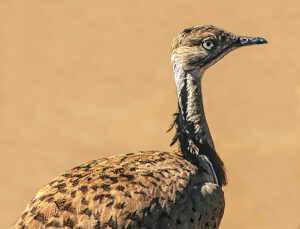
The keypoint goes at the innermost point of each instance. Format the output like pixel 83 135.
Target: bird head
pixel 202 46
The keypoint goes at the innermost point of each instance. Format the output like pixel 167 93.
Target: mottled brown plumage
pixel 138 190
pixel 152 189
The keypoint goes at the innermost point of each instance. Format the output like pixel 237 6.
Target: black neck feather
pixel 186 133
pixel 183 135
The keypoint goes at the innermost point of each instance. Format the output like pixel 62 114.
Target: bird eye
pixel 208 44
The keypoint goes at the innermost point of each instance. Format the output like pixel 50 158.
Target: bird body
pixel 151 189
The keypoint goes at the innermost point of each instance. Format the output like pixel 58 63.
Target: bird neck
pixel 192 130
pixel 190 105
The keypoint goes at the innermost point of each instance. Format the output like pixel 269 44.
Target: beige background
pixel 81 80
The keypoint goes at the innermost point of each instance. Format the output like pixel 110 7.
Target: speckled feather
pixel 152 189
pixel 149 189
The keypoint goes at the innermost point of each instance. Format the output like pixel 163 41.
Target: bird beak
pixel 245 41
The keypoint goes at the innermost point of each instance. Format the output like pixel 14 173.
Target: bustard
pixel 152 189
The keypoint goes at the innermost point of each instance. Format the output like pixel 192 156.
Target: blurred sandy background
pixel 81 80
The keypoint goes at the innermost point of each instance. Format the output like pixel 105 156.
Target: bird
pixel 151 189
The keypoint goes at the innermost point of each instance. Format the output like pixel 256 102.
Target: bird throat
pixel 190 107
pixel 192 130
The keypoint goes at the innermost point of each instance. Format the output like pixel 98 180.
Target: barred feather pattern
pixel 150 189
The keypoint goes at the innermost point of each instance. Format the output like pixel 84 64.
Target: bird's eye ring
pixel 208 44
